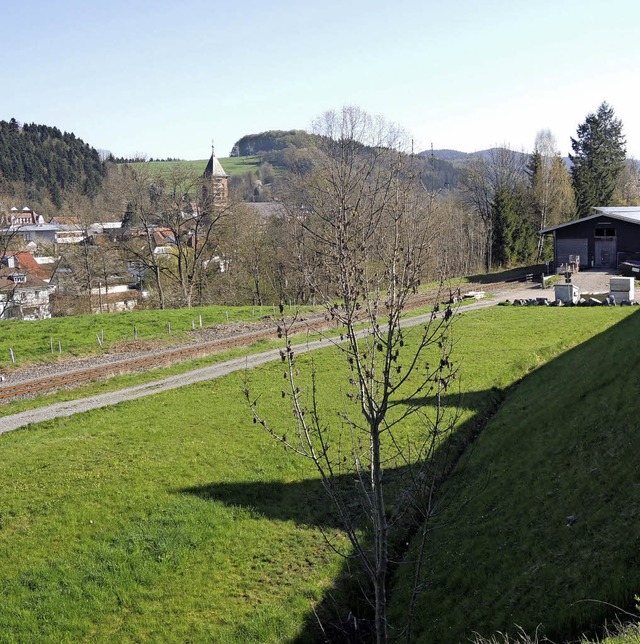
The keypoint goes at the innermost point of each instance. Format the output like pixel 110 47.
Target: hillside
pixel 258 161
pixel 542 526
pixel 459 159
pixel 124 524
pixel 43 158
pixel 456 157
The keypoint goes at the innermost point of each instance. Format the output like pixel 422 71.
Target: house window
pixel 605 232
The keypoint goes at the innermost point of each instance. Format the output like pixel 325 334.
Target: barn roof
pixel 630 214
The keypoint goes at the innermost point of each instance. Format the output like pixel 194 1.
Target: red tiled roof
pixel 28 264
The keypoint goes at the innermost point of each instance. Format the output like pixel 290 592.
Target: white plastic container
pixel 567 293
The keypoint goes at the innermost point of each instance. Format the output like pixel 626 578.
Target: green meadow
pixel 77 335
pixel 231 165
pixel 175 518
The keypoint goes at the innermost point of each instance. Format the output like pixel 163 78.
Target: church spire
pixel 214 169
pixel 216 184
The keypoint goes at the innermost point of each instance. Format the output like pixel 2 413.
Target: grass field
pixel 76 336
pixel 544 523
pixel 174 518
pixel 231 165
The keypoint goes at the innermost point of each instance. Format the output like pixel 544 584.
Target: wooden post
pixel 227 314
pixel 200 316
pixel 13 356
pixel 193 324
pixel 51 343
pixel 59 347
pixel 169 328
pixel 135 332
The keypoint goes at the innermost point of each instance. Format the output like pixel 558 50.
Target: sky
pixel 166 79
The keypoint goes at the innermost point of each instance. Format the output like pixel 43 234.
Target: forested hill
pixel 271 141
pixel 44 158
pixel 290 150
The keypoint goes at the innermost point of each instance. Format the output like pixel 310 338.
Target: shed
pixel 610 236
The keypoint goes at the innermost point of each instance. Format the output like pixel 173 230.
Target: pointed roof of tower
pixel 214 169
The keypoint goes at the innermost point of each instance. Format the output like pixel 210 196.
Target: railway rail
pixel 9 390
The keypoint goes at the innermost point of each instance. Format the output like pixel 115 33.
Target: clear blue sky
pixel 164 78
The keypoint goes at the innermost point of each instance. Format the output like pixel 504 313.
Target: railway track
pixel 9 390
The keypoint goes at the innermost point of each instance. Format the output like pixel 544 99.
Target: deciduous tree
pixel 485 184
pixel 366 238
pixel 552 194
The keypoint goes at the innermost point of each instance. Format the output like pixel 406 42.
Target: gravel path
pixel 15 421
pixel 588 281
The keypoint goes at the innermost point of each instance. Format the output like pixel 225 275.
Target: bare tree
pixel 553 197
pixel 8 243
pixel 628 184
pixel 135 185
pixel 182 206
pixel 366 238
pixel 170 226
pixel 502 170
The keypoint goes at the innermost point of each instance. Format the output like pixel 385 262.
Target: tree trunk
pixel 380 538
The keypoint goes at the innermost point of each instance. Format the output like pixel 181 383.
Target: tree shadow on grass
pixel 303 502
pixel 612 355
pixel 345 615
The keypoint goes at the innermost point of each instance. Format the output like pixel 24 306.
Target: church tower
pixel 216 182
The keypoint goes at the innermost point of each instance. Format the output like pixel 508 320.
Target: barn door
pixel 605 253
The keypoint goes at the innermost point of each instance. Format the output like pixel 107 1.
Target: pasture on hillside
pixel 231 165
pixel 175 518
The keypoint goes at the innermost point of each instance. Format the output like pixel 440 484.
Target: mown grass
pixel 77 335
pixel 174 518
pixel 543 525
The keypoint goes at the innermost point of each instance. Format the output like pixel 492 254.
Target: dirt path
pixel 15 421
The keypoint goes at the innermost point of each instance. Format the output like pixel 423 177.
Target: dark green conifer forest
pixel 47 160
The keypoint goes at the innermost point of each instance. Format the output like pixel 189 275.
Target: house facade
pixel 23 296
pixel 610 236
pixel 24 289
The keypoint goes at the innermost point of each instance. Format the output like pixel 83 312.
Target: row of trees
pixel 487 214
pixel 517 195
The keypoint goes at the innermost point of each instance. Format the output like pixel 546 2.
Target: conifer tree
pixel 598 158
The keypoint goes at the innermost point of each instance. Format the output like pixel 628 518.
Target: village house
pixel 24 293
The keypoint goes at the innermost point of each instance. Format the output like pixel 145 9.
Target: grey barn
pixel 610 236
